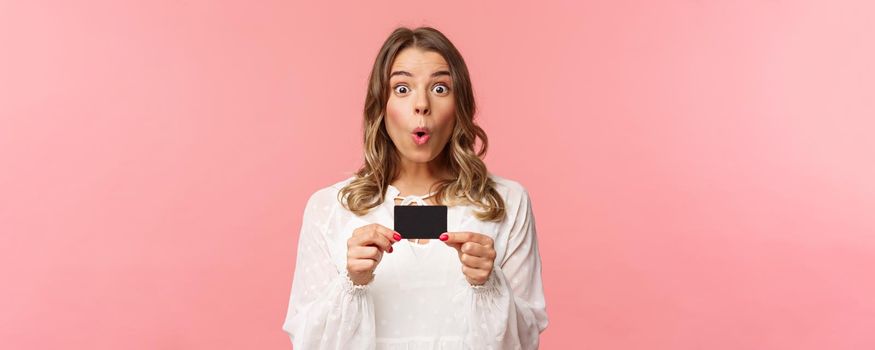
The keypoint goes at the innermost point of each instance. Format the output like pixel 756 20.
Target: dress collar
pixel 392 194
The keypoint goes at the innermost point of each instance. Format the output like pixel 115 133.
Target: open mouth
pixel 420 137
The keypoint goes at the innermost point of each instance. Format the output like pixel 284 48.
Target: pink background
pixel 701 171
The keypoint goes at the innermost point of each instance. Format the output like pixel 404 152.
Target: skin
pixel 420 95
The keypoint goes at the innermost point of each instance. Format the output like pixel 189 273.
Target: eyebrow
pixel 435 74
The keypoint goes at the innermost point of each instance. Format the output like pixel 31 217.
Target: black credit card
pixel 421 221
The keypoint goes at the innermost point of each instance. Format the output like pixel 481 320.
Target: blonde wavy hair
pixel 470 182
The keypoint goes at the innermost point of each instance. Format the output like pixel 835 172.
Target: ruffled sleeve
pixel 509 310
pixel 326 310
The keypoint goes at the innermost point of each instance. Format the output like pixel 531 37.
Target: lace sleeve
pixel 509 310
pixel 325 311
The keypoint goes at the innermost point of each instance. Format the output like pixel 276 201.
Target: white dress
pixel 419 297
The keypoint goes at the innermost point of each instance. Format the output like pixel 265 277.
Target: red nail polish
pixel 397 236
pixel 390 249
pixel 444 237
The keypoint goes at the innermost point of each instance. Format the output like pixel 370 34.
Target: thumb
pixel 449 242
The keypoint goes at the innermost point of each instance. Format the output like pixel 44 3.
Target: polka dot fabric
pixel 419 298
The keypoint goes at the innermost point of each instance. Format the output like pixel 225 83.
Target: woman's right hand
pixel 364 250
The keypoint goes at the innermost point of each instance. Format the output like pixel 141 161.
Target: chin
pixel 424 156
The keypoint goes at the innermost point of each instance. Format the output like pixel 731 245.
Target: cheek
pixel 445 105
pixel 394 117
pixel 447 117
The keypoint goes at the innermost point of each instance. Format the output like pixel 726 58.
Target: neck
pixel 417 178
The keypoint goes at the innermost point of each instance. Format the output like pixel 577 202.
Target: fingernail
pixel 397 236
pixel 444 237
pixel 390 249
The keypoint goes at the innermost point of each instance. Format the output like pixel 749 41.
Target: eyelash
pixel 395 88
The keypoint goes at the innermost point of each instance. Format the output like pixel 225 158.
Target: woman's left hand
pixel 475 252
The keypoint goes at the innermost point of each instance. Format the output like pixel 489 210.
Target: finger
pixel 384 231
pixel 457 246
pixel 473 273
pixel 366 252
pixel 391 235
pixel 362 265
pixel 475 262
pixel 377 239
pixel 462 237
pixel 477 249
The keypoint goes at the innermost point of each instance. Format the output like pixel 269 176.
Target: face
pixel 420 96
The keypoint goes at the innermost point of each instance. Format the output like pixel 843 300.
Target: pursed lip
pixel 420 136
pixel 421 129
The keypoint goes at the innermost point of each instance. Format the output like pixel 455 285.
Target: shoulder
pixel 518 204
pixel 508 187
pixel 327 195
pixel 513 192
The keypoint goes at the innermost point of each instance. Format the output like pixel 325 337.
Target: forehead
pixel 417 61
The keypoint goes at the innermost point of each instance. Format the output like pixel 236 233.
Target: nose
pixel 421 105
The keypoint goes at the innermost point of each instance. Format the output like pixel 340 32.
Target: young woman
pixel 360 285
